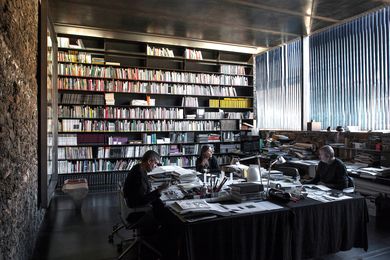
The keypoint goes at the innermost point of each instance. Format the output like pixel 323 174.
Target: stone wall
pixel 20 216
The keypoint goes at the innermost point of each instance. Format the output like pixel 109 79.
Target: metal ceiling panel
pixel 260 23
pixel 344 9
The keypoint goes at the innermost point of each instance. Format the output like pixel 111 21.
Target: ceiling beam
pixel 153 38
pixel 281 10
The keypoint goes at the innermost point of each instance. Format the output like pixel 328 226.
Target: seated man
pixel 137 188
pixel 331 171
pixel 138 192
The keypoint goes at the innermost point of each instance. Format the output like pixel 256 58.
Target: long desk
pixel 302 229
pixel 324 228
pixel 250 236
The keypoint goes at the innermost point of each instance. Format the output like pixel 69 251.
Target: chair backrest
pixel 130 216
pixel 289 171
pixel 351 185
pixel 351 182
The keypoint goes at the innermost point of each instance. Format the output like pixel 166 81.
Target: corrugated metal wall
pixel 349 74
pixel 278 86
pixel 348 83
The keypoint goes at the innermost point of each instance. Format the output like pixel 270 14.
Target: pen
pixel 222 183
pixel 215 184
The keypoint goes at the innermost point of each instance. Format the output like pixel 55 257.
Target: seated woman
pixel 331 171
pixel 206 162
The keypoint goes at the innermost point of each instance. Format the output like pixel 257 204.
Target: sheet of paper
pixel 249 207
pixel 325 197
pixel 316 187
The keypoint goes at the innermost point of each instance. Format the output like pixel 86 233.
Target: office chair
pixel 134 219
pixel 289 171
pixel 123 213
pixel 351 185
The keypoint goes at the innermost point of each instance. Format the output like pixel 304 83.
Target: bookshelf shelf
pixel 156 68
pixel 102 84
pixel 149 81
pixel 152 131
pixel 145 56
pixel 138 93
pixel 141 144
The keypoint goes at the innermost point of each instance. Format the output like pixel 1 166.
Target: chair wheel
pixel 119 248
pixel 110 239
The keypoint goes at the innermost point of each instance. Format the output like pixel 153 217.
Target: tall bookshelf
pixel 118 99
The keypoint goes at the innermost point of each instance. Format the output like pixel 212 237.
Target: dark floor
pixel 70 234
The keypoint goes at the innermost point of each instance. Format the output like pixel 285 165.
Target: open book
pixel 316 187
pixel 194 207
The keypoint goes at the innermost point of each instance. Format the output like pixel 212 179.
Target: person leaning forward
pixel 137 189
pixel 331 171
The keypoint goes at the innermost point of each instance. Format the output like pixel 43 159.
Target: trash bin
pixel 77 189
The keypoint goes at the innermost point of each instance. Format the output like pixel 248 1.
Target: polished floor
pixel 67 233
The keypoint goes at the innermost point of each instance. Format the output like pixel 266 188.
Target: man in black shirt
pixel 331 171
pixel 137 189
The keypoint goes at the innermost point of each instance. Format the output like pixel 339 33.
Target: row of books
pixel 214 115
pixel 180 161
pixel 75 153
pixel 74 56
pixel 65 42
pixel 189 102
pixel 230 137
pixel 143 87
pixel 229 148
pixel 205 138
pixel 78 153
pixel 122 140
pixel 149 74
pixel 162 52
pixel 231 103
pixel 67 125
pixel 103 165
pixel 193 54
pixel 182 137
pixel 67 98
pixel 232 69
pixel 131 151
pixel 101 178
pixel 120 112
pixel 224 159
pixel 96 139
pixel 95 166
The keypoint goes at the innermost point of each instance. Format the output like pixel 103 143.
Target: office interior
pixel 307 66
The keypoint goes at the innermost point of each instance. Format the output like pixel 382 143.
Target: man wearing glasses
pixel 137 189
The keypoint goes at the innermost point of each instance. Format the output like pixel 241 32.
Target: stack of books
pixel 246 191
pixel 110 98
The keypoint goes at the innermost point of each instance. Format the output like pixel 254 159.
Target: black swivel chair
pixel 351 185
pixel 289 171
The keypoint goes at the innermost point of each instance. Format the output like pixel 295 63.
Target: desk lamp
pixel 253 176
pixel 279 160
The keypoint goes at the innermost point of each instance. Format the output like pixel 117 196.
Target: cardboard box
pixel 313 126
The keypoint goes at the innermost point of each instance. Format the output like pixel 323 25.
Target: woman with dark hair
pixel 206 162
